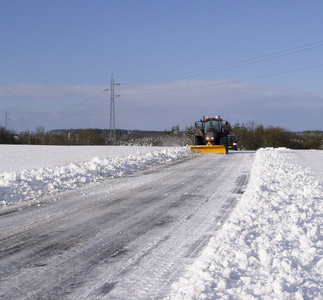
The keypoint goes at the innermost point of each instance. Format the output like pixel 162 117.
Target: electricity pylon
pixel 112 136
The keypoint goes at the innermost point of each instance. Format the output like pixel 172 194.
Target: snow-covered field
pixel 271 247
pixel 27 157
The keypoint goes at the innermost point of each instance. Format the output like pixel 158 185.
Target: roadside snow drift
pixel 32 184
pixel 271 246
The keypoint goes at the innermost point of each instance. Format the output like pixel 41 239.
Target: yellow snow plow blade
pixel 213 149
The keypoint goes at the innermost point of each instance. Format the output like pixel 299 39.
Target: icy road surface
pixel 123 238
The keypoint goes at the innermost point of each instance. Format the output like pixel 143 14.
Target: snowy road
pixel 124 238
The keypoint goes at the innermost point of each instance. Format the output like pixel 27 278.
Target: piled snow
pixel 271 246
pixel 31 184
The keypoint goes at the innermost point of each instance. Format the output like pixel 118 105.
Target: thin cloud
pixel 149 107
pixel 47 91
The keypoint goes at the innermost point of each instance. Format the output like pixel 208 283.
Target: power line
pixel 229 82
pixel 236 64
pixel 74 113
pixel 228 66
pixel 201 72
pixel 79 103
pixel 180 76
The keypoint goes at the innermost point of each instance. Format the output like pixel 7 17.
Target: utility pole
pixel 112 137
pixel 6 120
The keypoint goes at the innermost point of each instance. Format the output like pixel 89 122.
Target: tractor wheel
pixel 186 142
pixel 224 142
pixel 198 140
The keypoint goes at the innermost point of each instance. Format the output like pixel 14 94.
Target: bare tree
pixel 40 135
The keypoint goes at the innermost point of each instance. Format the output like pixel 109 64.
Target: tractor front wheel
pixel 198 140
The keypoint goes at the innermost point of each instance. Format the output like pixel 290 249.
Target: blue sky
pixel 176 61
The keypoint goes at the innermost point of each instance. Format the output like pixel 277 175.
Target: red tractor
pixel 213 137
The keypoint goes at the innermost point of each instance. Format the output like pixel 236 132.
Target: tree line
pixel 79 137
pixel 251 137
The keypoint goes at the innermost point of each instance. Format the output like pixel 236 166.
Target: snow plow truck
pixel 212 137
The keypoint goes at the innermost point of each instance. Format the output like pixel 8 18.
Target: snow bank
pixel 271 246
pixel 32 184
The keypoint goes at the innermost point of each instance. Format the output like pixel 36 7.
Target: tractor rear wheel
pixel 224 142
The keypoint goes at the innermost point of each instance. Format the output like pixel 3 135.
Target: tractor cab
pixel 212 124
